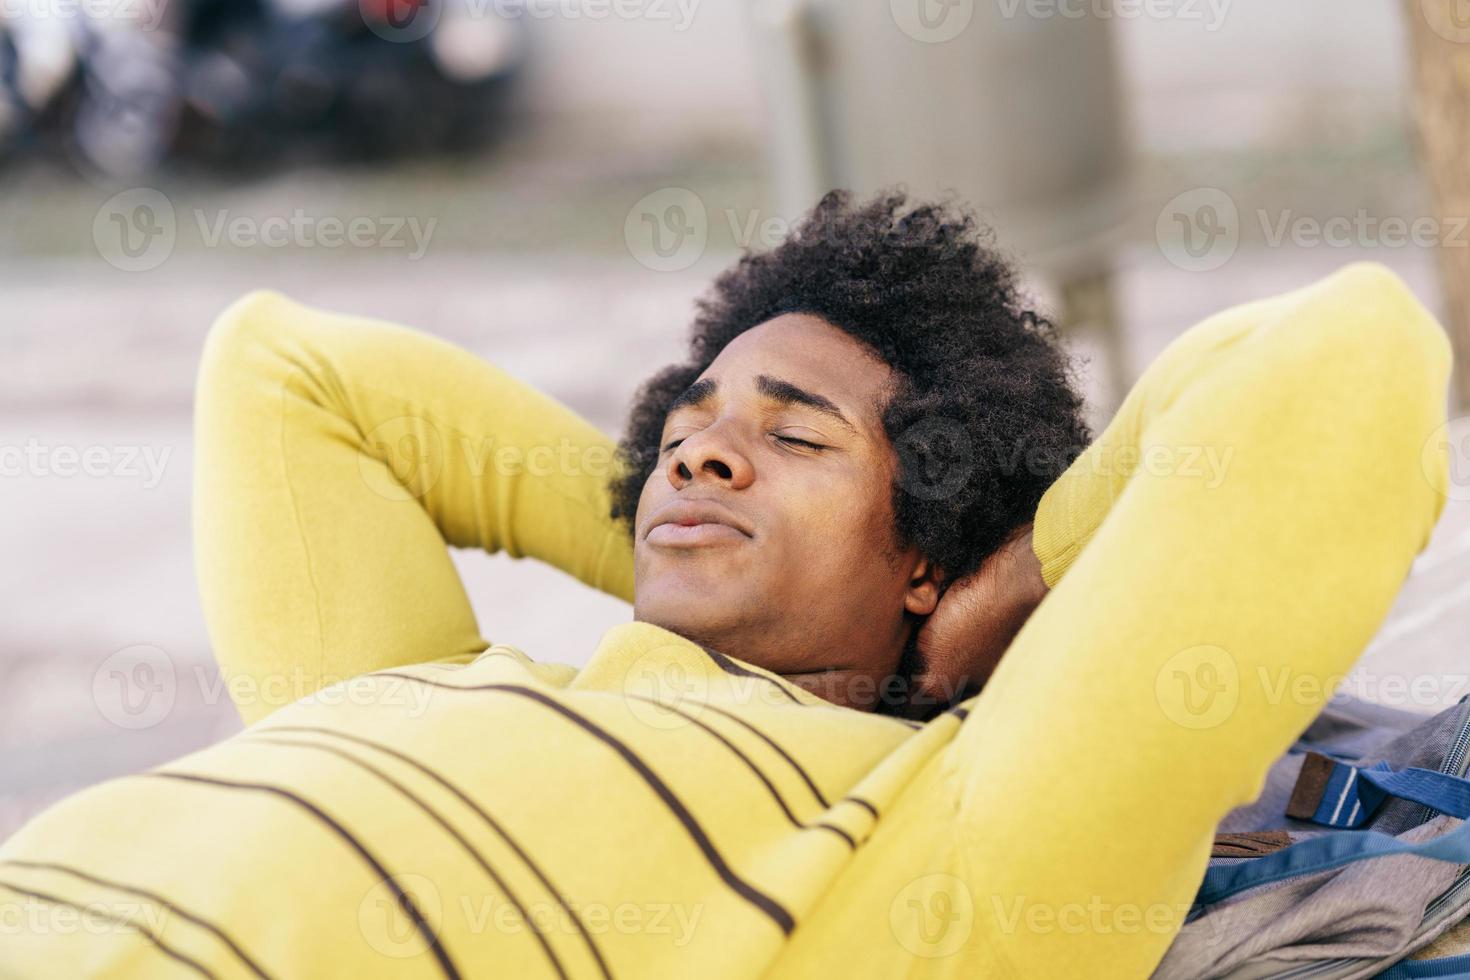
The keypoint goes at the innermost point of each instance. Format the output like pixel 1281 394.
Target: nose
pixel 711 454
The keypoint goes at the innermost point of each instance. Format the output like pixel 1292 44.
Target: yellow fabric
pixel 738 827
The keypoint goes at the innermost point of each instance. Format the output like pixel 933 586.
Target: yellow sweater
pixel 667 811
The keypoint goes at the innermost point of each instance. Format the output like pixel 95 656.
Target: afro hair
pixel 984 415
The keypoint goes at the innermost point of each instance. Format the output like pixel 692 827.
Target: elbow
pixel 243 323
pixel 1390 331
pixel 1396 367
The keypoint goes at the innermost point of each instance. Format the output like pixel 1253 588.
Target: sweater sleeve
pixel 1074 507
pixel 1222 551
pixel 336 456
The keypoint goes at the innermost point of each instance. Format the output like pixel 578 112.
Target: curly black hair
pixel 984 414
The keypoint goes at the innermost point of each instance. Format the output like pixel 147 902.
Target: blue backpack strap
pixel 1436 790
pixel 1336 794
pixel 1448 794
pixel 1324 854
pixel 1330 792
pixel 1444 967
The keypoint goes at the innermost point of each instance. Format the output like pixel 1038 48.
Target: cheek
pixel 872 502
pixel 649 495
pixel 850 514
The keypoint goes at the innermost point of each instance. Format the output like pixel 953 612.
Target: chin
pixel 701 615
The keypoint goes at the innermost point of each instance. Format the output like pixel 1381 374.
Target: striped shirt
pixel 661 807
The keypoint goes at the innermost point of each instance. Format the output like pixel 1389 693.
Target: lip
pixel 695 524
pixel 693 535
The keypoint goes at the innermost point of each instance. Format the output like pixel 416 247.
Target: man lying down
pixel 805 755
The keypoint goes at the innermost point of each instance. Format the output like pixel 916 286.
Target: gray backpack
pixel 1355 855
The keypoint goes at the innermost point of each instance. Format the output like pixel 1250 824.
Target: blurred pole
pixel 1440 34
pixel 788 57
pixel 1019 115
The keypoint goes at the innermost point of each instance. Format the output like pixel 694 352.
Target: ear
pixel 926 582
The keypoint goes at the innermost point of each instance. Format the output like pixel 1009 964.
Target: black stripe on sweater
pixel 405 902
pixel 153 897
pixel 432 814
pixel 490 821
pixel 152 937
pixel 770 787
pixel 765 903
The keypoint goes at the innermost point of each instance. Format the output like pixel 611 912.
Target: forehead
pixel 811 353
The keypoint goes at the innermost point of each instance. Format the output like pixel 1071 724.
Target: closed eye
pixel 789 440
pixel 803 443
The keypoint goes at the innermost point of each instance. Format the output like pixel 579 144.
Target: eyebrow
pixel 693 396
pixel 776 389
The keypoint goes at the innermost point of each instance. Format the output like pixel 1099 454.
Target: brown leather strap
pixel 1249 845
pixel 1311 783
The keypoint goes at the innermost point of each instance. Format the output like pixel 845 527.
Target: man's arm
pixel 335 457
pixel 1230 543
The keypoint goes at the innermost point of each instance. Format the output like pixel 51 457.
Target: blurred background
pixel 551 183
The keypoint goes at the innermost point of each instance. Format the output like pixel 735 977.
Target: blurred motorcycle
pixel 120 87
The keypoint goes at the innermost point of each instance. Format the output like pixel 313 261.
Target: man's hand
pixel 977 617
